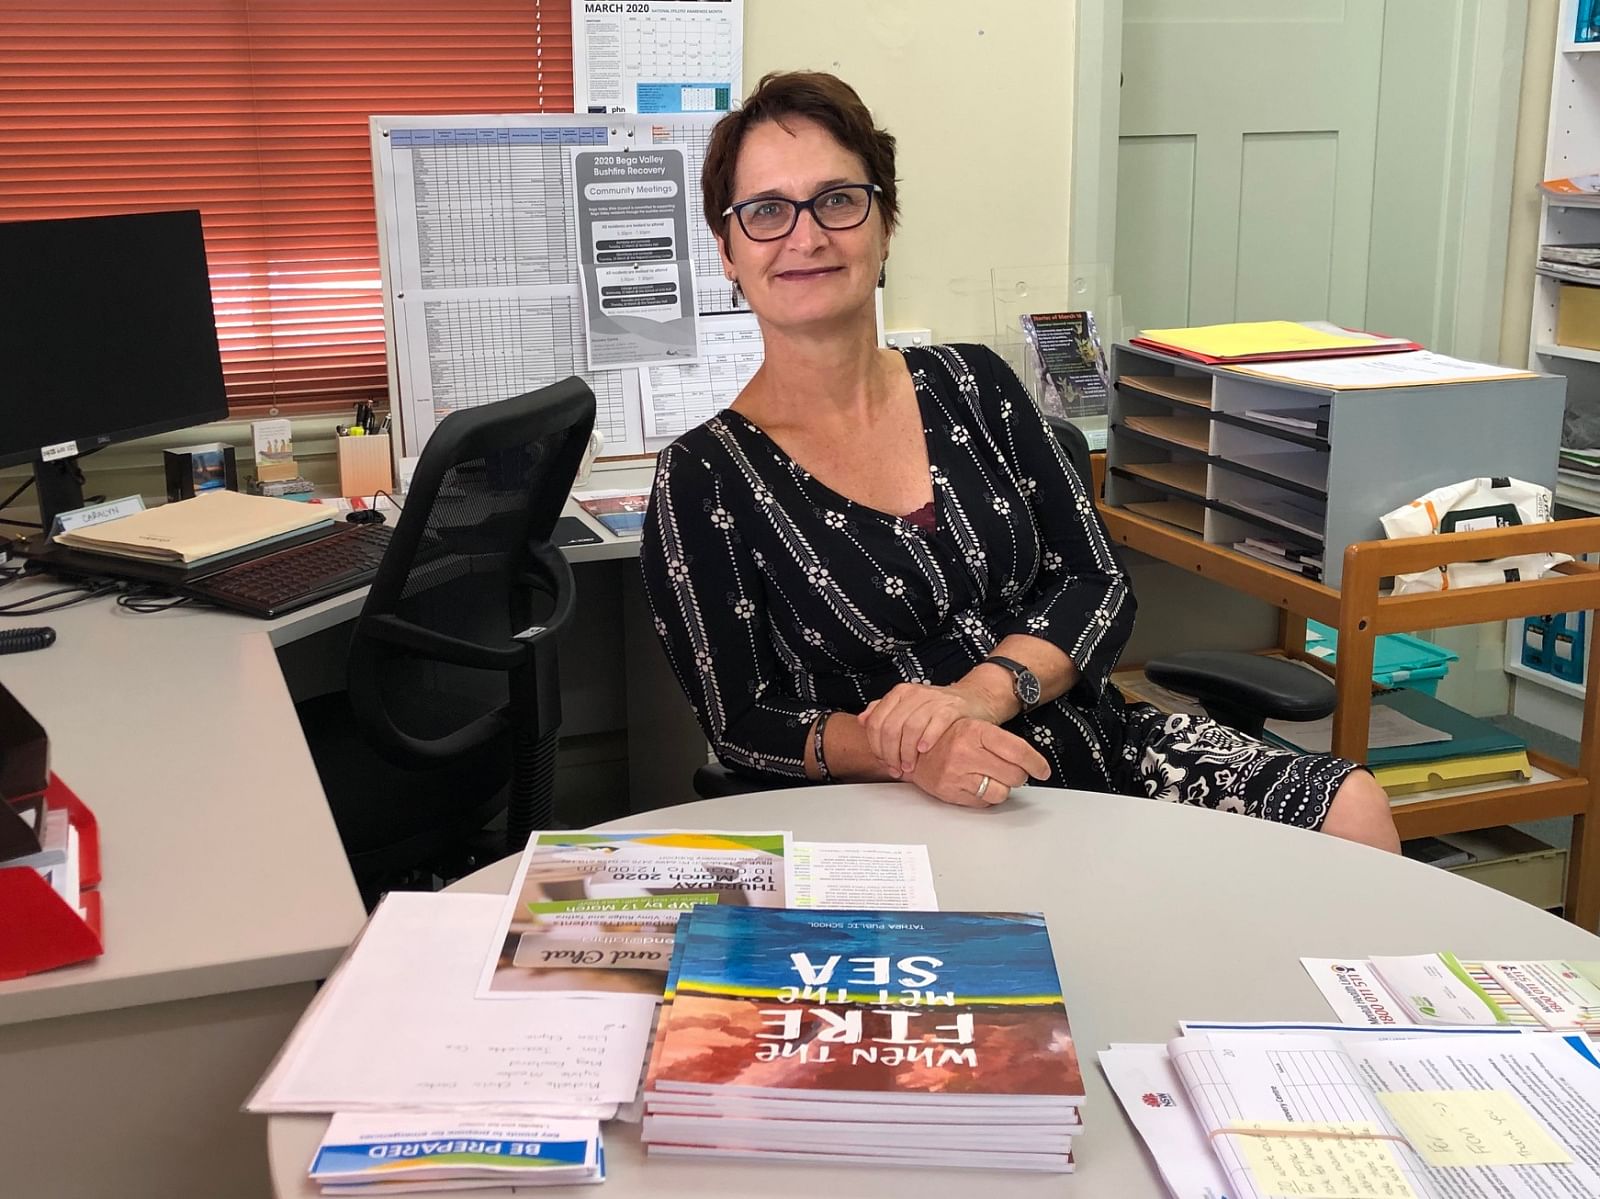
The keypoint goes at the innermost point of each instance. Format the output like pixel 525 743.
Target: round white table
pixel 1157 912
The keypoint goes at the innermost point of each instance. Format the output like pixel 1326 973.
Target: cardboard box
pixel 1578 317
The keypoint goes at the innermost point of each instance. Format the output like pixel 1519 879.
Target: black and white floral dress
pixel 778 599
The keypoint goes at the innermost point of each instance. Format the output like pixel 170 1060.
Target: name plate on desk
pixel 97 514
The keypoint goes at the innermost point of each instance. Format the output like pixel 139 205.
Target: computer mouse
pixel 365 516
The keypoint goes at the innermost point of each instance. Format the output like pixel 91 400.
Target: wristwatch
pixel 1024 683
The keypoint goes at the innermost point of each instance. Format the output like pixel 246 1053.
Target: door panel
pixel 1279 102
pixel 1153 268
pixel 1286 266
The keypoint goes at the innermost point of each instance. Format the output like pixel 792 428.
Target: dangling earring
pixel 883 271
pixel 738 295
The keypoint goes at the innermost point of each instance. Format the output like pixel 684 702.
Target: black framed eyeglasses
pixel 769 218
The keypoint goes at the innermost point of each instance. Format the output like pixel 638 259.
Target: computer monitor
pixel 106 334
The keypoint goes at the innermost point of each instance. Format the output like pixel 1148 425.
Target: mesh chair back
pixel 470 578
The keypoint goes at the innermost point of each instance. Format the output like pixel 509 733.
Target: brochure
pixel 593 912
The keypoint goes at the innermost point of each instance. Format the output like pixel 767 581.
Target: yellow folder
pixel 1254 337
pixel 1406 778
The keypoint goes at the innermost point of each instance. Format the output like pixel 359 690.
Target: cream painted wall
pixel 980 100
pixel 1533 119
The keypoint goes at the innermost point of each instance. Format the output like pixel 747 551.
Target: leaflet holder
pixel 1020 291
pixel 41 930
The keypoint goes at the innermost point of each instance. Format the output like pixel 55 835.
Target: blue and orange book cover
pixel 933 1005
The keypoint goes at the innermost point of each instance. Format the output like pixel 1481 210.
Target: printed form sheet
pixel 1313 1080
pixel 478 234
pixel 677 398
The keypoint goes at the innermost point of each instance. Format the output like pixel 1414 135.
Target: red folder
pixel 41 930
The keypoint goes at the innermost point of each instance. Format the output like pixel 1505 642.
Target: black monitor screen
pixel 106 332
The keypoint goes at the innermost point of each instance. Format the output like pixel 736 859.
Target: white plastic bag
pixel 1469 505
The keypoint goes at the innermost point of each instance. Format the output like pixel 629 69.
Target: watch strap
pixel 1018 670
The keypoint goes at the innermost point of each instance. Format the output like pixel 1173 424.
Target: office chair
pixel 453 702
pixel 1237 689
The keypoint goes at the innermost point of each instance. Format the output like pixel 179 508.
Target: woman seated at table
pixel 878 564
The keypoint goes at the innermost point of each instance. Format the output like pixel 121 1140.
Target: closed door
pixel 1345 160
pixel 1245 163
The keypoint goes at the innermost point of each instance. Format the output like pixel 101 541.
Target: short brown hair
pixel 823 98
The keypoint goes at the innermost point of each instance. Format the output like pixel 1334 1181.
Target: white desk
pixel 1157 913
pixel 226 893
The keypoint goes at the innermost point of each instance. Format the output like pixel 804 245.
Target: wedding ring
pixel 983 785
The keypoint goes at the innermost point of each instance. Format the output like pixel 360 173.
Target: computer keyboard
pixel 302 574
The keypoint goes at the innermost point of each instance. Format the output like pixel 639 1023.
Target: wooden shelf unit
pixel 1360 612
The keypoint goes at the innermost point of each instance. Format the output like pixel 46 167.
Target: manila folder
pixel 188 530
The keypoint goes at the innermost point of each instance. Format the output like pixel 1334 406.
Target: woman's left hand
pixel 908 721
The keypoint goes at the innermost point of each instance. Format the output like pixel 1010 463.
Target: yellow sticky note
pixel 1473 1128
pixel 1293 1161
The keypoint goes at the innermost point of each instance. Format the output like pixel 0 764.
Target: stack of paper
pixel 1250 1112
pixel 926 1039
pixel 399 1028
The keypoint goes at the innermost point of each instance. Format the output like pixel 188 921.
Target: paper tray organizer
pixel 41 930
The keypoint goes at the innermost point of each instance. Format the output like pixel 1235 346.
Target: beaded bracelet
pixel 823 774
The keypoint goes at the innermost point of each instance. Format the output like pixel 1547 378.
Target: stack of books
pixel 1575 263
pixel 890 1038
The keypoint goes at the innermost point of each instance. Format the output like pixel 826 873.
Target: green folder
pixel 1469 735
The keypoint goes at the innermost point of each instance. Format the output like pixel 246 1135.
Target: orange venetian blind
pixel 255 112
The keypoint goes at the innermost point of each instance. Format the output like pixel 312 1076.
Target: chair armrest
pixel 1244 690
pixel 430 643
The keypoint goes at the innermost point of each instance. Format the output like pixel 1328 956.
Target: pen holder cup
pixel 364 464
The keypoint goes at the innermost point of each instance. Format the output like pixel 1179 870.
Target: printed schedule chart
pixel 481 266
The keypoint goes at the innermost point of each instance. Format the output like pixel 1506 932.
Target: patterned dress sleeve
pixel 1080 601
pixel 706 595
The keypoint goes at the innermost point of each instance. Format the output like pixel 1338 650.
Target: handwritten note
pixel 1472 1128
pixel 1300 1163
pixel 398 1027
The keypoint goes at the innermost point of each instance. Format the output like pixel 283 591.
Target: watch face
pixel 1028 688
